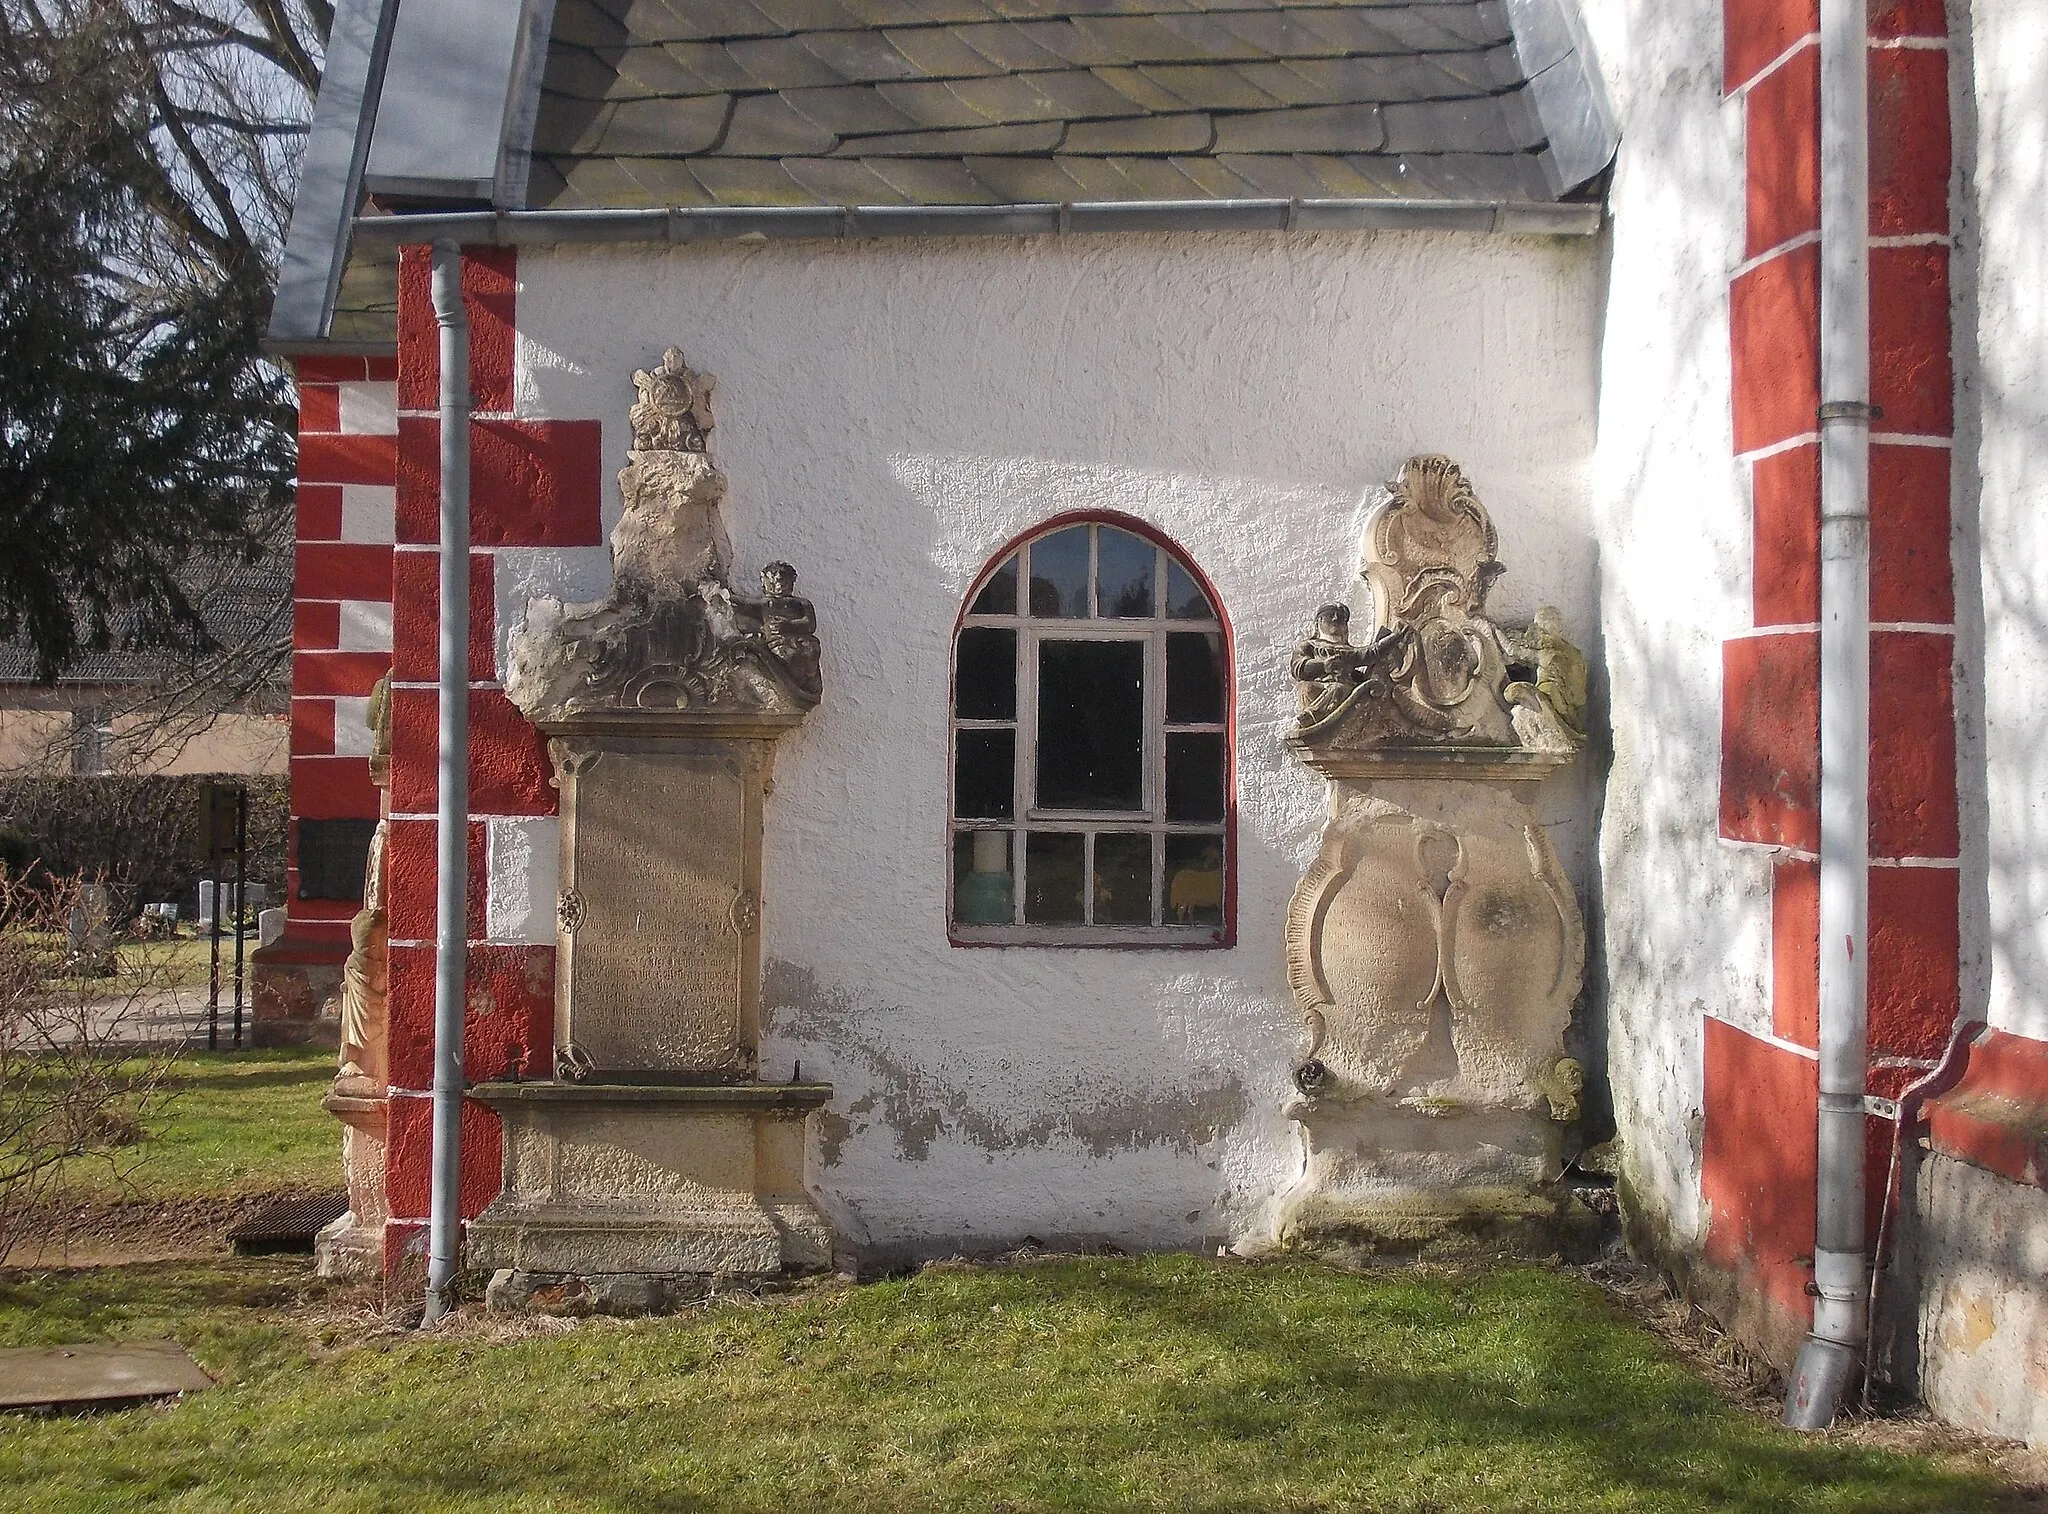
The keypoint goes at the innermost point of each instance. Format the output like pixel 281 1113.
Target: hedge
pixel 141 834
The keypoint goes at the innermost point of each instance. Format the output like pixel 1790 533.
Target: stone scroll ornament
pixel 1435 947
pixel 672 635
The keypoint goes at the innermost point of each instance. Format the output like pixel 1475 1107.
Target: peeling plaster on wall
pixel 1687 916
pixel 888 415
pixel 2005 276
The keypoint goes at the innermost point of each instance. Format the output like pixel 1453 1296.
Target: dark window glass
pixel 333 855
pixel 984 775
pixel 1184 597
pixel 1091 725
pixel 1059 573
pixel 1194 776
pixel 985 676
pixel 983 888
pixel 1052 874
pixel 1194 880
pixel 1123 573
pixel 1194 677
pixel 1123 879
pixel 999 595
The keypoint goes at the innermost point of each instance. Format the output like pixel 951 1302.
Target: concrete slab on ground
pixel 53 1376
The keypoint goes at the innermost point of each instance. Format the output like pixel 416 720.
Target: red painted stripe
pixel 351 674
pixel 342 570
pixel 329 370
pixel 416 617
pixel 1774 338
pixel 312 727
pixel 316 625
pixel 333 788
pixel 319 507
pixel 319 408
pixel 351 459
pixel 1756 31
pixel 489 288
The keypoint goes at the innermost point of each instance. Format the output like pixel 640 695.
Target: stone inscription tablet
pixel 663 914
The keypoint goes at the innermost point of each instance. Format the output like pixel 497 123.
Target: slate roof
pixel 976 102
pixel 241 603
pixel 711 107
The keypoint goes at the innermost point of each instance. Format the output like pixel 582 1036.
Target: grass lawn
pixel 1069 1383
pixel 236 1122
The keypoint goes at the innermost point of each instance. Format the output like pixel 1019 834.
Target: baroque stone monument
pixel 1435 947
pixel 353 1246
pixel 653 1152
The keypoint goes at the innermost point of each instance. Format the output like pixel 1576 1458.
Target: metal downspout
pixel 451 943
pixel 1828 1360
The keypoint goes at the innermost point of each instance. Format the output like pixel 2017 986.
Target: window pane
pixel 1123 573
pixel 985 674
pixel 1059 573
pixel 1194 776
pixel 1184 597
pixel 982 886
pixel 1194 880
pixel 1123 879
pixel 999 595
pixel 1052 873
pixel 1194 676
pixel 984 775
pixel 1091 724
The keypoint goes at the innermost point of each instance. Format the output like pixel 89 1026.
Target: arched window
pixel 1091 746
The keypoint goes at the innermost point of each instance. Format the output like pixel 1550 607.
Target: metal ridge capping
pixel 693 223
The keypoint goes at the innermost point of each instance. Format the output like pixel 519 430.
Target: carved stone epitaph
pixel 652 1151
pixel 1435 947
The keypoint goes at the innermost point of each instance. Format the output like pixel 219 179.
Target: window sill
pixel 1184 938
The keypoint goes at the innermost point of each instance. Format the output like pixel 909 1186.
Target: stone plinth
pixel 1435 948
pixel 608 1179
pixel 353 1246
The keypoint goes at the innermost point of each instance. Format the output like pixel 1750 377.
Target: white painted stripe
pixel 368 512
pixel 369 409
pixel 1908 439
pixel 521 868
pixel 365 625
pixel 1804 439
pixel 352 736
pixel 1804 239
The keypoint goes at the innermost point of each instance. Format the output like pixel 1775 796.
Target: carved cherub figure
pixel 1326 666
pixel 1550 696
pixel 789 626
pixel 777 633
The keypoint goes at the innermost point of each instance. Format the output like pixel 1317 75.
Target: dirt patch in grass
pixel 103 1232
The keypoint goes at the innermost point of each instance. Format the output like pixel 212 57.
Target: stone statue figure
pixel 671 635
pixel 365 975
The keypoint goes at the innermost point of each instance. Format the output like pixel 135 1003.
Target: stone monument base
pixel 649 1182
pixel 1387 1182
pixel 353 1246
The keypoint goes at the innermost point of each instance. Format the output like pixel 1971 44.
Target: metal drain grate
pixel 288 1225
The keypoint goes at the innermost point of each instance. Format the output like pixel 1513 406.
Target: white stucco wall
pixel 1687 915
pixel 888 415
pixel 2002 516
